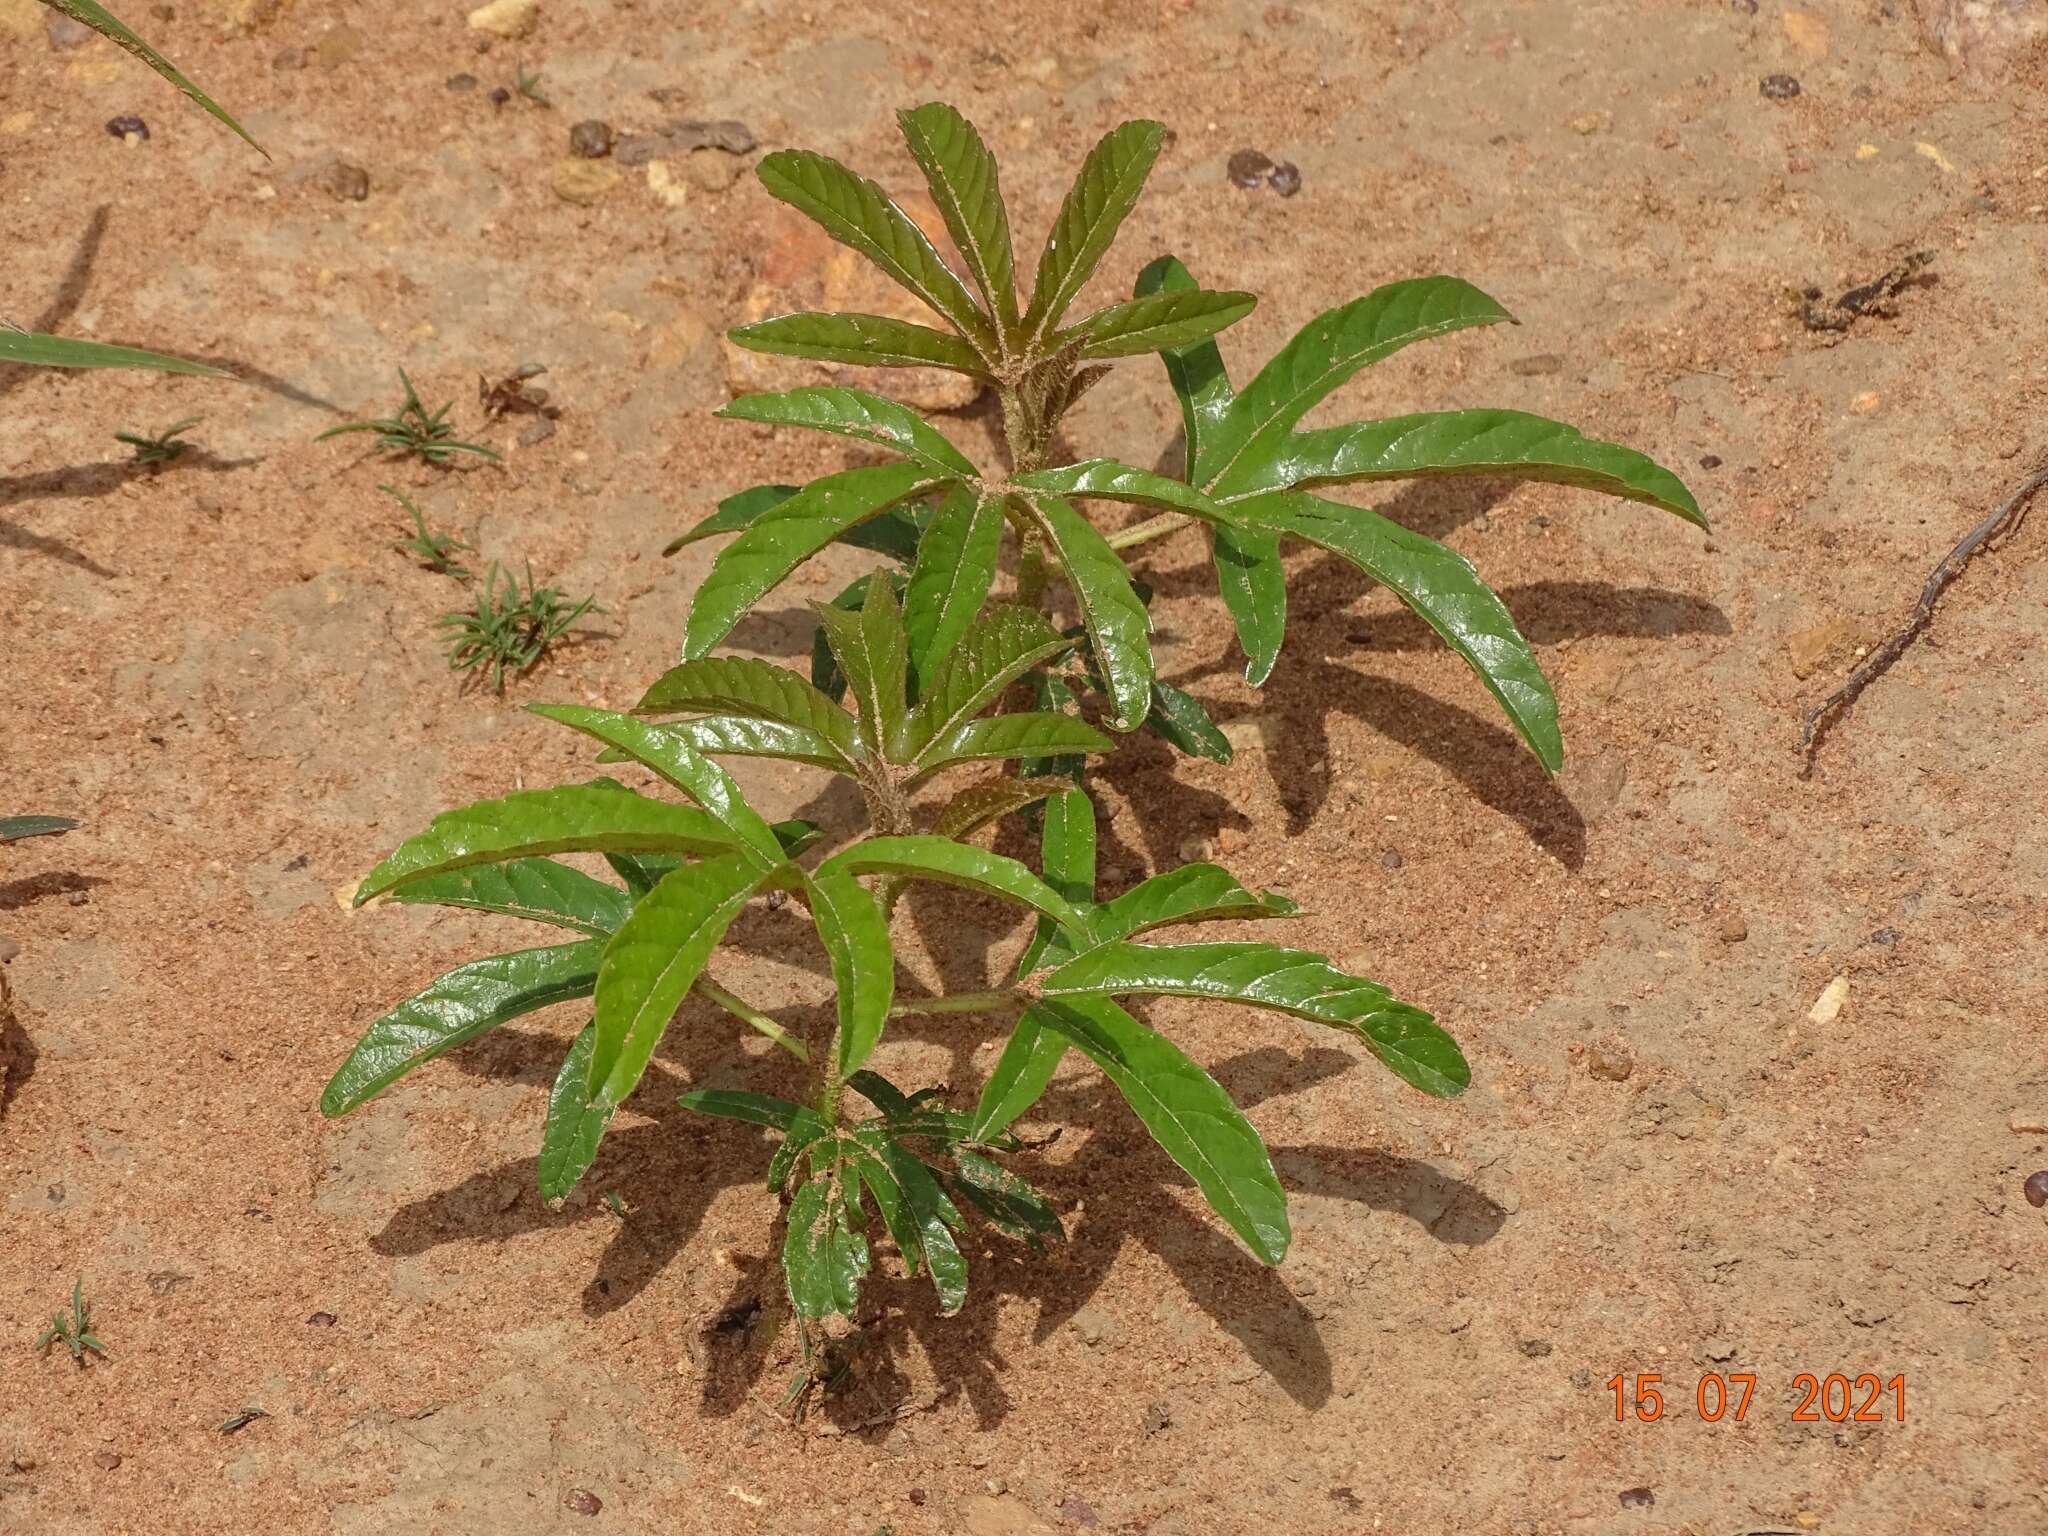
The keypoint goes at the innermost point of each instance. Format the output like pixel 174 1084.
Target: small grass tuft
pixel 162 447
pixel 73 1332
pixel 435 551
pixel 529 86
pixel 415 429
pixel 511 627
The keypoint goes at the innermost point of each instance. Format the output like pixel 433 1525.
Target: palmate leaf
pixel 873 341
pixel 39 351
pixel 964 184
pixel 1159 322
pixel 1442 588
pixel 916 1211
pixel 681 765
pixel 923 857
pixel 981 805
pixel 824 1258
pixel 856 939
pixel 755 690
pixel 1187 1112
pixel 859 215
pixel 873 654
pixel 1004 643
pixel 102 21
pixel 1103 194
pixel 1323 354
pixel 956 566
pixel 455 1009
pixel 571 818
pixel 856 413
pixel 1513 444
pixel 1108 480
pixel 785 536
pixel 540 889
pixel 1034 733
pixel 655 958
pixel 1118 625
pixel 575 1123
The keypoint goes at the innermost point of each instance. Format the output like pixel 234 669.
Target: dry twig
pixel 2005 518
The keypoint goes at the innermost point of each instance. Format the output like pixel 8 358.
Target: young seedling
pixel 906 1160
pixel 415 429
pixel 529 86
pixel 509 627
pixel 435 551
pixel 73 1332
pixel 1251 474
pixel 161 447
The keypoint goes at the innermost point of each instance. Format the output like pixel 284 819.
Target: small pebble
pixel 1286 178
pixel 916 1496
pixel 639 148
pixel 581 1501
pixel 65 32
pixel 1734 928
pixel 122 127
pixel 539 432
pixel 460 84
pixel 1710 461
pixel 1613 1063
pixel 1248 168
pixel 499 96
pixel 2036 1189
pixel 322 1320
pixel 1157 1418
pixel 591 139
pixel 346 183
pixel 1886 937
pixel 106 1461
pixel 1536 1349
pixel 8 949
pixel 1540 363
pixel 1637 1498
pixel 1778 87
pixel 1391 859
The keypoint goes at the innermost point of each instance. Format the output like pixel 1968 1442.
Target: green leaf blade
pixel 681 765
pixel 999 647
pixel 1194 370
pixel 1512 444
pixel 1193 893
pixel 859 215
pixel 1019 1078
pixel 964 183
pixel 1109 480
pixel 823 1258
pixel 856 939
pixel 949 584
pixel 1323 354
pixel 456 1008
pixel 755 690
pixel 655 958
pixel 869 341
pixel 982 805
pixel 540 890
pixel 1180 719
pixel 1253 581
pixel 1119 628
pixel 1159 322
pixel 574 818
pixel 787 535
pixel 102 21
pixel 1066 842
pixel 924 857
pixel 39 351
pixel 1033 733
pixel 575 1125
pixel 1103 194
pixel 1188 1114
pixel 1443 589
pixel 858 414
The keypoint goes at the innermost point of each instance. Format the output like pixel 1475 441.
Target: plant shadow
pixel 30 889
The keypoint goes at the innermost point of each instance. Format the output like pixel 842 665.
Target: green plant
pixel 414 429
pixel 435 551
pixel 161 447
pixel 509 626
pixel 1250 472
pixel 73 1332
pixel 14 828
pixel 529 85
pixel 686 873
pixel 916 671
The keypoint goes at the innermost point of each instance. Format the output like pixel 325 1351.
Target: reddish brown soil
pixel 227 674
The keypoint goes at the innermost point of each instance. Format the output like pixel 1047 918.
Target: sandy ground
pixel 225 671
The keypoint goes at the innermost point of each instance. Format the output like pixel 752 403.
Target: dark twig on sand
pixel 2005 518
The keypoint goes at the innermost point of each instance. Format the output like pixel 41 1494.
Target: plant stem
pixel 748 1014
pixel 958 1002
pixel 1145 532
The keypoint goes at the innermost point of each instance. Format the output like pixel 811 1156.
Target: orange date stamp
pixel 1834 1399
